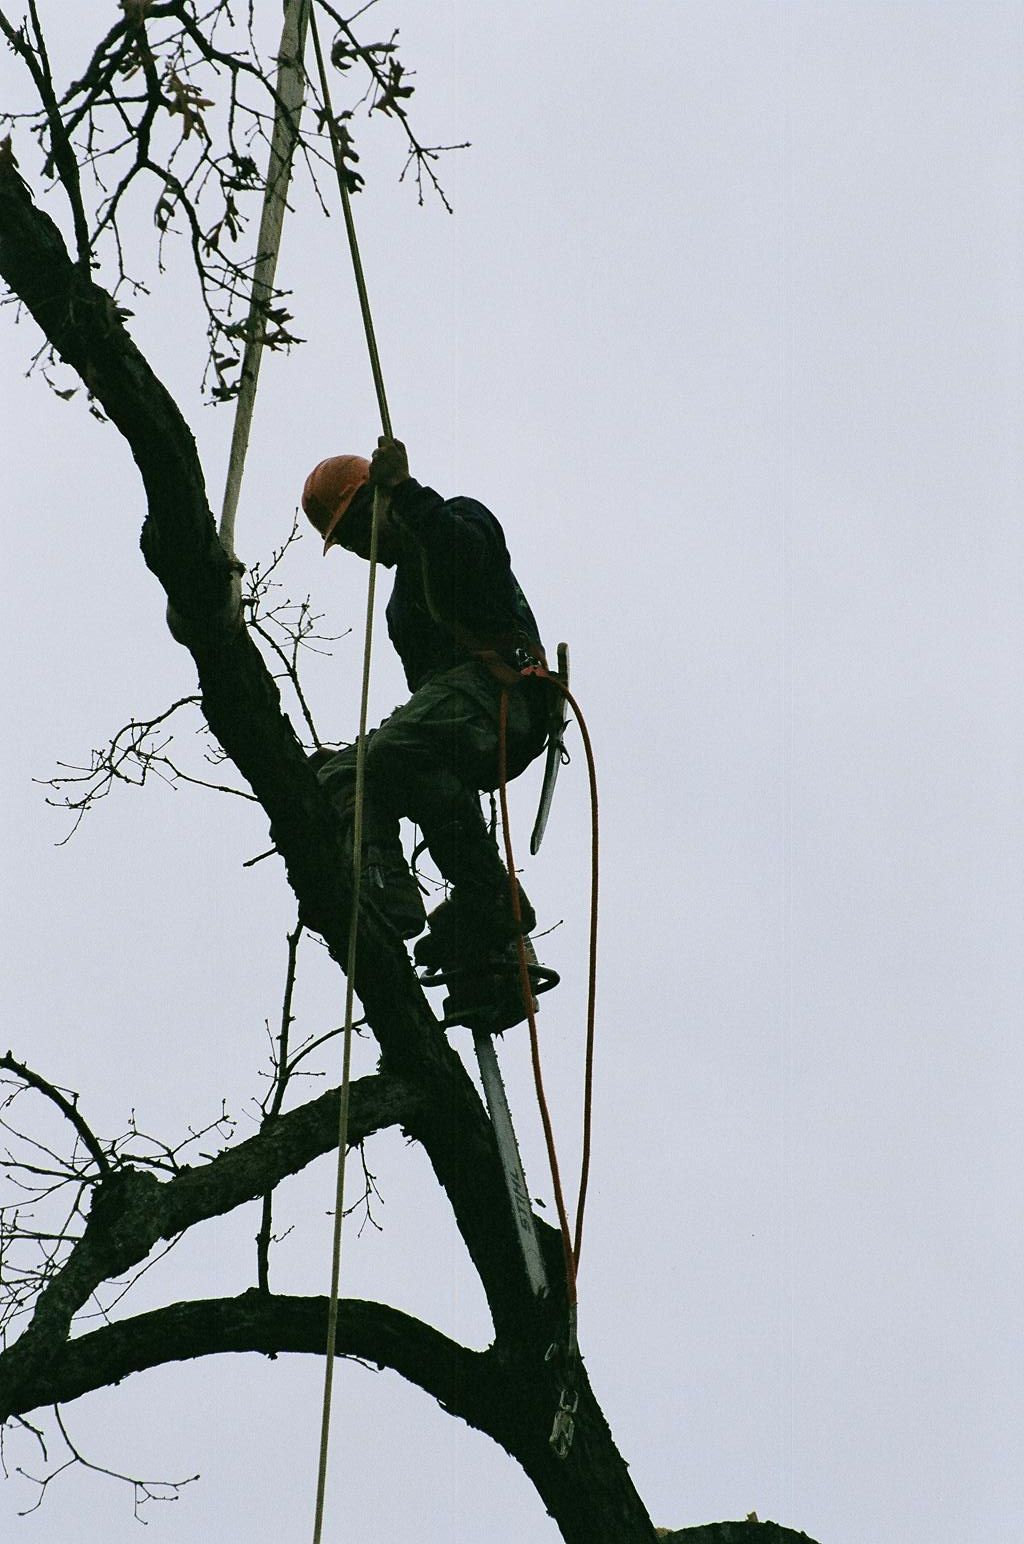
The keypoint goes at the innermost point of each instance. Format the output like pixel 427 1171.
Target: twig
pixel 179 97
pixel 282 1074
pixel 64 1105
pixel 142 1490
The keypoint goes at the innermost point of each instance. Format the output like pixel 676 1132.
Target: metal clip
pixel 563 1428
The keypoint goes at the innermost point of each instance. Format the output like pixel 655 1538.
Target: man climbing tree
pixel 465 634
pixel 123 1208
pixel 147 78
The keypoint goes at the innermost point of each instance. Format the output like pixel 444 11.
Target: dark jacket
pixel 454 586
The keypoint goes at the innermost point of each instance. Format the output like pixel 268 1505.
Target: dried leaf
pixel 187 101
pixel 394 90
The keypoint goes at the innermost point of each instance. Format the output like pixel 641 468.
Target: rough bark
pixel 511 1392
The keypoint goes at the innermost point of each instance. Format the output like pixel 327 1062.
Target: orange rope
pixel 527 991
pixel 570 1250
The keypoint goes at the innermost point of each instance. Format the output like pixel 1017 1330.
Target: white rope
pixel 380 504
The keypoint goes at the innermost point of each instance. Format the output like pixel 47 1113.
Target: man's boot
pixel 390 884
pixel 473 943
pixel 473 947
pixel 471 927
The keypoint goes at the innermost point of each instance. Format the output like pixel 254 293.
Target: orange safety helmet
pixel 329 490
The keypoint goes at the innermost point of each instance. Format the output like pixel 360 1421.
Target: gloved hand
pixel 389 464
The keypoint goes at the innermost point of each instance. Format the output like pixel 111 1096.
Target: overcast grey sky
pixel 727 330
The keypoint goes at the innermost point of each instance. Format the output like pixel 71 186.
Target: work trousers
pixel 430 760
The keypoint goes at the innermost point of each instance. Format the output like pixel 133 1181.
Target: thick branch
pixel 257 1321
pixel 511 1399
pixel 133 1211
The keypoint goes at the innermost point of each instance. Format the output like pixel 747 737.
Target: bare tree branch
pixel 272 1109
pixel 143 1491
pixel 259 1321
pixel 389 91
pixel 35 57
pixel 67 1107
pixel 509 1398
pixel 132 755
pixel 181 97
pixel 132 1211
